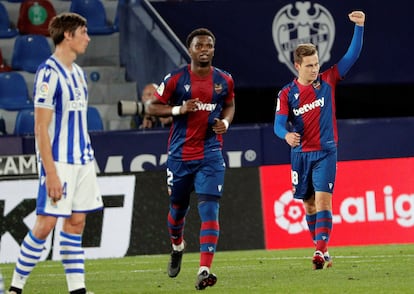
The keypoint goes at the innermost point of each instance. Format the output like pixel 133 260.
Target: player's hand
pixel 293 139
pixel 357 17
pixel 54 187
pixel 190 105
pixel 219 126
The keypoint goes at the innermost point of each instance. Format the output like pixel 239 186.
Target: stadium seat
pixel 3 66
pixel 7 30
pixel 24 122
pixel 29 52
pixel 34 17
pixel 95 13
pixel 94 120
pixel 14 94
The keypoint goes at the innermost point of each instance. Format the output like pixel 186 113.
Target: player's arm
pixel 279 127
pixel 156 107
pixel 354 49
pixel 43 117
pixel 221 125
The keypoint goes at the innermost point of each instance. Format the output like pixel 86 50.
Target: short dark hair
pixel 63 22
pixel 199 32
pixel 303 50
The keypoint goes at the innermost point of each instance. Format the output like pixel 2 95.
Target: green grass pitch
pixel 362 269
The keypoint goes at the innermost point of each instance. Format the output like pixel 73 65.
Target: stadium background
pixel 375 152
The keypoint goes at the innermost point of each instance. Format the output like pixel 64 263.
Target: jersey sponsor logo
pixel 77 105
pixel 309 107
pixel 303 22
pixel 206 106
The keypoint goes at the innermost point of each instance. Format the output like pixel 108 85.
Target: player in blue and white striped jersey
pixel 67 179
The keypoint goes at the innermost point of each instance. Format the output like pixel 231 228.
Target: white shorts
pixel 81 191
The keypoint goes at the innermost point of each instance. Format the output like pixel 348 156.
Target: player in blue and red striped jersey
pixel 308 104
pixel 200 98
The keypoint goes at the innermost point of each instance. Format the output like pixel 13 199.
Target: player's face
pixel 308 70
pixel 80 40
pixel 202 50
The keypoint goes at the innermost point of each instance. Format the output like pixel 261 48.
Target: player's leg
pixel 180 186
pixel 208 209
pixel 209 183
pixel 301 176
pixel 33 243
pixel 30 251
pixel 324 178
pixel 71 252
pixel 82 188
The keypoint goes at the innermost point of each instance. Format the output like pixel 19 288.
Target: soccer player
pixel 308 104
pixel 67 179
pixel 200 98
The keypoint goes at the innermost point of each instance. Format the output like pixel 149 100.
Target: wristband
pixel 176 110
pixel 226 123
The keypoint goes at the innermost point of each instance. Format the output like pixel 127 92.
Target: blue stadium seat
pixel 6 28
pixel 14 94
pixel 24 123
pixel 95 13
pixel 29 52
pixel 94 120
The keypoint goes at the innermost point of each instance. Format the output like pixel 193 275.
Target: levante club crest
pixel 303 22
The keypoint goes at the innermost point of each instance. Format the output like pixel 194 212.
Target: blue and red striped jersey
pixel 311 111
pixel 191 135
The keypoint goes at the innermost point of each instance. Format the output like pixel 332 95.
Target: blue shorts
pixel 204 176
pixel 313 171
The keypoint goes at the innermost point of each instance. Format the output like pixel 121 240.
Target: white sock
pixel 178 247
pixel 73 260
pixel 202 269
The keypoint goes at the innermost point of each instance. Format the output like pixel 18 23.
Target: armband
pixel 175 110
pixel 226 123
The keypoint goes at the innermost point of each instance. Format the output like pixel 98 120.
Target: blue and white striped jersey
pixel 65 91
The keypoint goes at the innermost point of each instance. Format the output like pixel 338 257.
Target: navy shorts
pixel 313 171
pixel 204 176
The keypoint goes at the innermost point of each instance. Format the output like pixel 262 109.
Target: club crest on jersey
pixel 218 88
pixel 187 87
pixel 303 22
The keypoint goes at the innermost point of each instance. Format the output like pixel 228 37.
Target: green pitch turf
pixel 371 269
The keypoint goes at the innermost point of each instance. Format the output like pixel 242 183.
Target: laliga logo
pixel 304 24
pixel 290 214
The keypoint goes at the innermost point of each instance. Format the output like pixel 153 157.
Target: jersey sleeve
pixel 46 84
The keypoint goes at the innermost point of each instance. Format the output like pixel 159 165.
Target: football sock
pixel 209 232
pixel 178 247
pixel 311 220
pixel 202 269
pixel 30 253
pixel 73 260
pixel 323 229
pixel 176 222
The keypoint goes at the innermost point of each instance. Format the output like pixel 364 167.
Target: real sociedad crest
pixel 304 23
